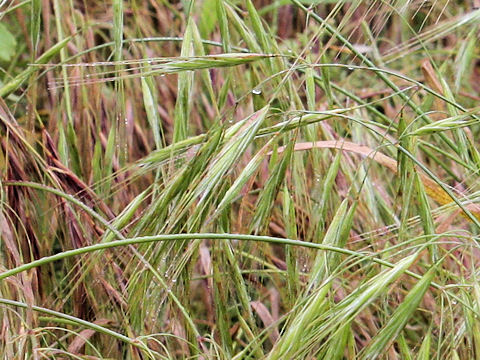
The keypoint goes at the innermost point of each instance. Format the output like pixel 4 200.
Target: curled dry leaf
pixel 431 187
pixel 79 341
pixel 266 318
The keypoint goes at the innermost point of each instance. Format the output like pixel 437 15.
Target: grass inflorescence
pixel 239 180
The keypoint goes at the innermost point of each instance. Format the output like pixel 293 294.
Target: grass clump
pixel 239 180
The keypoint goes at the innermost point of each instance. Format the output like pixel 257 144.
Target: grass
pixel 239 180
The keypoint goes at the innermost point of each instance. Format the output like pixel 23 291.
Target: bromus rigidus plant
pixel 239 180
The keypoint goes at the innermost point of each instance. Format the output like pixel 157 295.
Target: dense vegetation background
pixel 239 179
